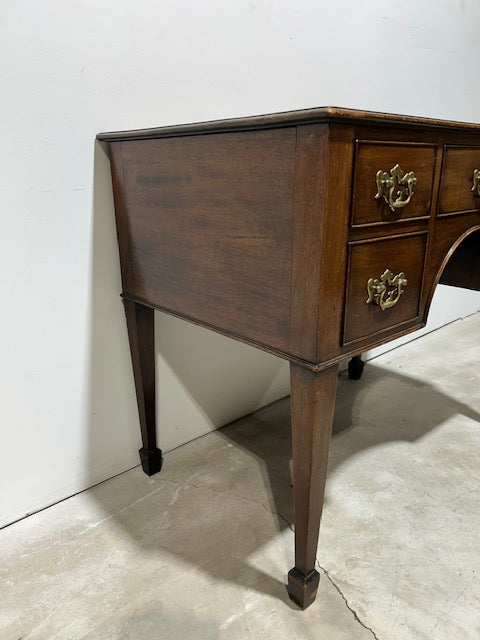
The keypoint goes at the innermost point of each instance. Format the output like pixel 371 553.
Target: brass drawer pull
pixel 476 182
pixel 379 292
pixel 387 185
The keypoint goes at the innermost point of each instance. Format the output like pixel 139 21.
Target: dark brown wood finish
pixel 333 254
pixel 324 159
pixel 369 259
pixel 310 190
pixel 336 115
pixel 313 404
pixel 372 156
pixel 140 324
pixel 210 229
pixel 456 194
pixel 266 229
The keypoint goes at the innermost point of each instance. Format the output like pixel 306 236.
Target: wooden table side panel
pixel 121 218
pixel 210 229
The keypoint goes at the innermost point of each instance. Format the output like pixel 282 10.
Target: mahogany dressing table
pixel 313 235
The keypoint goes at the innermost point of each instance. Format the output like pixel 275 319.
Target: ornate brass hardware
pixel 476 182
pixel 386 186
pixel 379 292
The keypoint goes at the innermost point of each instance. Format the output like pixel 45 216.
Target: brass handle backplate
pixel 476 182
pixel 397 188
pixel 386 290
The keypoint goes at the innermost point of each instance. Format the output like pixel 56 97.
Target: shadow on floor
pixel 211 505
pixel 390 406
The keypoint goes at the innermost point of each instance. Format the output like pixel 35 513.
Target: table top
pixel 289 118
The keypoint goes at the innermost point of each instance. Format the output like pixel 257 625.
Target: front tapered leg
pixel 313 404
pixel 140 324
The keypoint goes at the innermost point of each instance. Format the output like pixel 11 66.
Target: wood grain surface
pixel 372 156
pixel 456 194
pixel 209 224
pixel 369 259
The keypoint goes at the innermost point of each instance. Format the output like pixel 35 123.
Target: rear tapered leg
pixel 140 324
pixel 313 404
pixel 355 368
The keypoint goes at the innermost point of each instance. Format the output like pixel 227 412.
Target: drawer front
pixel 460 181
pixel 391 301
pixel 398 198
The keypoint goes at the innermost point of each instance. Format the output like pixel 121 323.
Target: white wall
pixel 71 69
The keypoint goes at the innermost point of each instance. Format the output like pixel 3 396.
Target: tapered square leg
pixel 313 405
pixel 140 324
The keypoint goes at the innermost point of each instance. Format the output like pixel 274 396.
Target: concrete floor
pixel 202 550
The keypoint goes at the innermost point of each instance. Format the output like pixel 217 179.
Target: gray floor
pixel 202 550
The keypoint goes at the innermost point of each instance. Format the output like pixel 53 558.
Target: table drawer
pixel 397 194
pixel 460 181
pixel 379 300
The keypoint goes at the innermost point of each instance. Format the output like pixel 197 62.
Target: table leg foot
pixel 151 460
pixel 303 589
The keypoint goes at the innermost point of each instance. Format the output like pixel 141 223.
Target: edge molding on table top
pixel 285 119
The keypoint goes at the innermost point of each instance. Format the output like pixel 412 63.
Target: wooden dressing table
pixel 314 235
